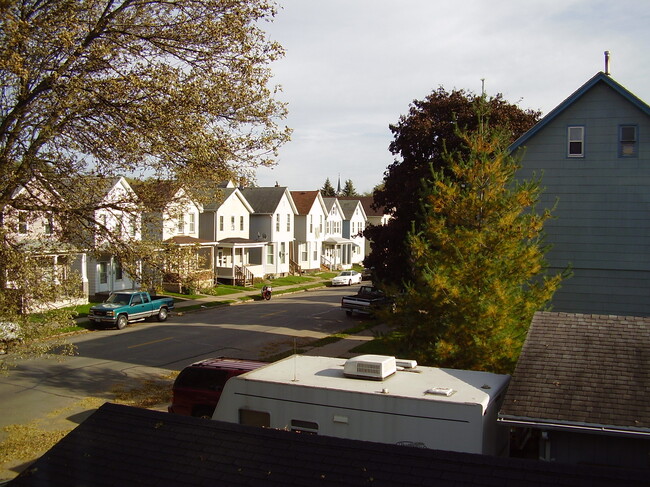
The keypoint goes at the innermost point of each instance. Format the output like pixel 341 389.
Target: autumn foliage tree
pixel 477 259
pixel 144 88
pixel 420 140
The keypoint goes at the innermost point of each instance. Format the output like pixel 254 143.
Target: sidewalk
pixel 236 298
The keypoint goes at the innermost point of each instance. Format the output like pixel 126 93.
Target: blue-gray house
pixel 592 153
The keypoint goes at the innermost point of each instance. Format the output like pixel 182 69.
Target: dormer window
pixel 576 141
pixel 627 141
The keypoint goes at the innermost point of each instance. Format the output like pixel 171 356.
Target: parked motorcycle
pixel 266 292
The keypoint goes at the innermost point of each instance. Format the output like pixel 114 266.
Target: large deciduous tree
pixel 477 258
pixel 420 139
pixel 92 89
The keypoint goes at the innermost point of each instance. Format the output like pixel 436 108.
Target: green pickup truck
pixel 122 308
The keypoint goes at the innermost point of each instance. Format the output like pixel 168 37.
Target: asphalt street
pixel 106 358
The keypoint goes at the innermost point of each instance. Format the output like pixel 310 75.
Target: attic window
pixel 627 141
pixel 576 141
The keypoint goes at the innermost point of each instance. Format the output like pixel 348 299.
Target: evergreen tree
pixel 349 190
pixel 477 261
pixel 328 190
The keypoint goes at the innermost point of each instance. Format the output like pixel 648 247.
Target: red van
pixel 198 387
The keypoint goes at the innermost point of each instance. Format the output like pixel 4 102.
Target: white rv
pixel 372 398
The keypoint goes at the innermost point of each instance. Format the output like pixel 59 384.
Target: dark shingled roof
pixel 366 202
pixel 584 369
pixel 122 445
pixel 348 206
pixel 264 200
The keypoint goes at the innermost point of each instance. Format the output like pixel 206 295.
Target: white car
pixel 347 278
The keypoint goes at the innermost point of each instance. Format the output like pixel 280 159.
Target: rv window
pixel 254 418
pixel 304 426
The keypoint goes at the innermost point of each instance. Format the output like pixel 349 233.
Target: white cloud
pixel 354 66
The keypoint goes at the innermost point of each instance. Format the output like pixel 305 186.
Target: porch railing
pixel 294 267
pixel 325 262
pixel 243 276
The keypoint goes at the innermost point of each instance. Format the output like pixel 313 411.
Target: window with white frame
pixel 180 226
pixel 269 254
pixel 283 253
pixel 277 222
pixel 304 252
pixel 48 226
pixel 576 141
pixel 627 141
pixel 241 223
pixel 192 222
pixel 288 222
pixel 311 223
pixel 232 223
pixel 119 273
pixel 320 223
pixel 221 223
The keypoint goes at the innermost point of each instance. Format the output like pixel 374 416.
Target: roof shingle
pixel 583 369
pixel 122 445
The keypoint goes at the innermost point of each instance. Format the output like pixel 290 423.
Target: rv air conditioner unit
pixel 373 367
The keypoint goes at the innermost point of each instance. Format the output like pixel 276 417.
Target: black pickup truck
pixel 365 301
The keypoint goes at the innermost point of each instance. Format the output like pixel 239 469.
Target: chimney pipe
pixel 607 63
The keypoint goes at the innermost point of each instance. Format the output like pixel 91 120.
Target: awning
pixel 339 241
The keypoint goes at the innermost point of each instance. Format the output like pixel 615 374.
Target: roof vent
pixel 373 367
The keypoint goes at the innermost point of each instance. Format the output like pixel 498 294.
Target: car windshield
pixel 119 298
pixel 346 273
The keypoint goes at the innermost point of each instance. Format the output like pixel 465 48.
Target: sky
pixel 353 67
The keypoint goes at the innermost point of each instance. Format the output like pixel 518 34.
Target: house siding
pixel 601 224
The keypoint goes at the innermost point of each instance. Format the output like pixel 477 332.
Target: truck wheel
pixel 350 282
pixel 122 321
pixel 162 314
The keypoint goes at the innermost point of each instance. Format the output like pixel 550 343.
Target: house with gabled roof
pixel 272 223
pixel 118 213
pixel 40 234
pixel 375 216
pixel 581 390
pixel 337 250
pixel 354 223
pixel 171 222
pixel 592 154
pixel 226 220
pixel 309 228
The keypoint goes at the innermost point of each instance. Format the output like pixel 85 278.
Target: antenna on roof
pixel 607 63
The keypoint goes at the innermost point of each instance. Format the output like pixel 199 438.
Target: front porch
pixel 238 261
pixel 337 253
